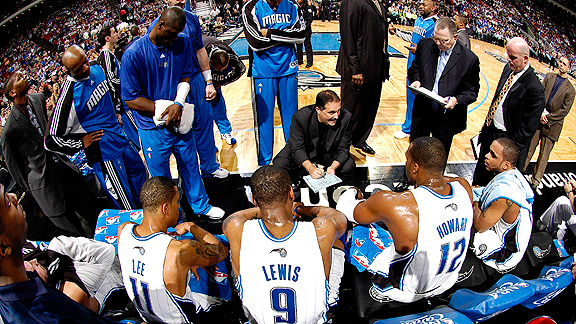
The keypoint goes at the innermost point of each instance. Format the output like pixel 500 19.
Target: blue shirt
pixel 192 30
pixel 154 72
pixel 33 302
pixel 423 28
pixel 279 60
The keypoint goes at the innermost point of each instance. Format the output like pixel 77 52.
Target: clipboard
pixel 428 94
pixel 475 143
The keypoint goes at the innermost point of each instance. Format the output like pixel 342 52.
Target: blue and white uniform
pixel 274 67
pixel 154 72
pixel 203 123
pixel 142 263
pixel 111 66
pixel 85 106
pixel 432 266
pixel 423 28
pixel 231 73
pixel 278 283
pixel 503 245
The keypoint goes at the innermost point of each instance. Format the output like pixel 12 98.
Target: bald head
pixel 518 53
pixel 173 16
pixel 76 62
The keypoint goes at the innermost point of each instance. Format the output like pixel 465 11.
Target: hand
pixel 210 92
pixel 174 113
pixel 415 84
pixel 90 138
pixel 211 271
pixel 119 118
pixel 264 31
pixel 543 119
pixel 331 170
pixel 450 102
pixel 358 79
pixel 184 227
pixel 411 48
pixel 392 29
pixel 315 172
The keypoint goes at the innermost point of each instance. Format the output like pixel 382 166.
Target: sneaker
pixel 400 134
pixel 215 213
pixel 230 140
pixel 220 173
pixel 309 64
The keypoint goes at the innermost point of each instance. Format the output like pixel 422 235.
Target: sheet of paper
pixel 318 184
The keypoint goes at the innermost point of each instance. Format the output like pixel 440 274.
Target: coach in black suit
pixel 319 138
pixel 363 64
pixel 55 183
pixel 515 110
pixel 444 66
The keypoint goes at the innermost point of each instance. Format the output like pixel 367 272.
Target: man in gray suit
pixel 55 183
pixel 463 37
pixel 558 95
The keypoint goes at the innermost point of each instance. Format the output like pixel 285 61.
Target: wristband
pixel 207 75
pixel 296 210
pixel 179 104
pixel 209 83
pixel 181 92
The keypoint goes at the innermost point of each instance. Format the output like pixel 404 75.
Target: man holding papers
pixel 319 141
pixel 448 69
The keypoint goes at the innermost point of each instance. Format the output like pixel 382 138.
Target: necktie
pixel 34 120
pixel 496 103
pixel 442 60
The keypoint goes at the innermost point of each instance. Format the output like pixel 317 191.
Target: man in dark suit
pixel 447 68
pixel 319 137
pixel 363 64
pixel 326 14
pixel 559 96
pixel 515 110
pixel 55 183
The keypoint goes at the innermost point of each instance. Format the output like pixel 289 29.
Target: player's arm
pixel 206 72
pixel 345 143
pixel 293 34
pixel 232 229
pixel 500 208
pixel 205 251
pixel 406 36
pixel 330 218
pixel 252 28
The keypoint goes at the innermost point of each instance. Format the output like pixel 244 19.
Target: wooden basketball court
pixel 241 157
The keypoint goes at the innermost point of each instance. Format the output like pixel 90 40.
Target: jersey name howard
pixel 97 95
pixel 451 226
pixel 281 272
pixel 276 19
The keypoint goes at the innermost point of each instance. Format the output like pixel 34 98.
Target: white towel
pixel 185 121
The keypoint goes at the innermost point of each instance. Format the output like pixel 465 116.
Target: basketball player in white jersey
pixel 156 268
pixel 503 209
pixel 283 267
pixel 430 226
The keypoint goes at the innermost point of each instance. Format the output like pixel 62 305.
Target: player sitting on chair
pixel 156 268
pixel 283 266
pixel 429 225
pixel 503 209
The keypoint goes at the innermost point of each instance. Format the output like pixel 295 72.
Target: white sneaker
pixel 400 134
pixel 215 213
pixel 230 140
pixel 220 173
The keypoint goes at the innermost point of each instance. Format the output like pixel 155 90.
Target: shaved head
pixel 76 62
pixel 173 16
pixel 518 53
pixel 519 45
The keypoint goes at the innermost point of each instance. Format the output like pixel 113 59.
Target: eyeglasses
pixel 442 41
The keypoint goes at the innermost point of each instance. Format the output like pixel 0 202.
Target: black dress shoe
pixel 308 65
pixel 366 149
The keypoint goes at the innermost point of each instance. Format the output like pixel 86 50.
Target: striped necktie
pixel 442 60
pixel 496 103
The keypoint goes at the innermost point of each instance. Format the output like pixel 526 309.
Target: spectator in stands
pixel 24 297
pixel 502 209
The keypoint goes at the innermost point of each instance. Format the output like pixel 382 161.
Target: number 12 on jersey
pixel 458 251
pixel 283 300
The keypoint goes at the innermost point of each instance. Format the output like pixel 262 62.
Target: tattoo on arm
pixel 509 203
